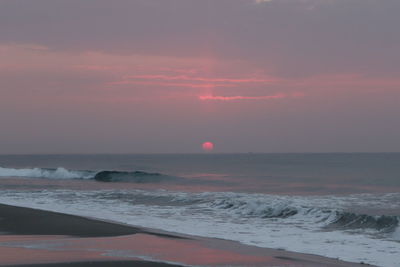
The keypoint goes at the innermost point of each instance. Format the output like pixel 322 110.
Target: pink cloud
pixel 171 84
pixel 233 98
pixel 199 79
pixel 189 81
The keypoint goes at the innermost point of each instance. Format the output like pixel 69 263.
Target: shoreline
pixel 32 237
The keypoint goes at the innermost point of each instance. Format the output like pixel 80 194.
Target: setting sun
pixel 207 146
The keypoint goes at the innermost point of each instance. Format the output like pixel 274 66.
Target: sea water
pixel 344 206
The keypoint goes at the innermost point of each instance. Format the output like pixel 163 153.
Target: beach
pixel 200 210
pixel 31 237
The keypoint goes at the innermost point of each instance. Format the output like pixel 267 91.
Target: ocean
pixel 344 206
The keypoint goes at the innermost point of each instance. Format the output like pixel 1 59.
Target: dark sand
pixel 100 264
pixel 24 221
pixel 40 238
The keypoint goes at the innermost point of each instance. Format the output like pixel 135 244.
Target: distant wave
pixel 136 177
pixel 101 176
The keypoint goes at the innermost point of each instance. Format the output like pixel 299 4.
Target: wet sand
pixel 30 237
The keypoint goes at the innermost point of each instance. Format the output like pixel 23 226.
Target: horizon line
pixel 187 153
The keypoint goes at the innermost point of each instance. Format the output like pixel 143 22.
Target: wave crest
pixel 257 208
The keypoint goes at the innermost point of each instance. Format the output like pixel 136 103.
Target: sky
pixel 164 76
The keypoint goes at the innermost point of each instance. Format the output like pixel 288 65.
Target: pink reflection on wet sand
pixel 30 249
pixel 169 249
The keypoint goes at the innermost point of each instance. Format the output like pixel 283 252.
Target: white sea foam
pixel 255 219
pixel 396 234
pixel 59 173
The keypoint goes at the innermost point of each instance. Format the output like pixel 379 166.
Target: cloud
pixel 201 79
pixel 192 81
pixel 239 97
pixel 171 84
pixel 270 34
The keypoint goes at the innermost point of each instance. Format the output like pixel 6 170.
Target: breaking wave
pixel 348 220
pixel 101 176
pixel 327 218
pixel 58 173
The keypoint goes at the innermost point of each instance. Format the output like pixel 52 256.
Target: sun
pixel 207 146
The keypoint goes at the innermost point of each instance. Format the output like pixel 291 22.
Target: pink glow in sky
pixel 233 98
pixel 162 75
